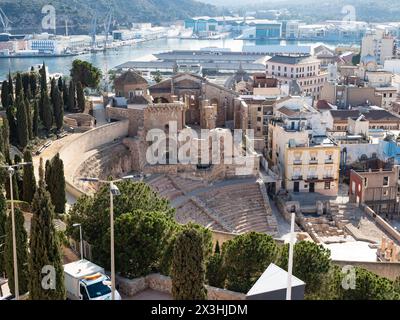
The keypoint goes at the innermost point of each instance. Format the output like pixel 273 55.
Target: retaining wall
pixel 381 222
pixel 389 270
pixel 72 153
pixel 160 283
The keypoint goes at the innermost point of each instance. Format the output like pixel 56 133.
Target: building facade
pixel 304 69
pixel 379 45
pixel 379 189
pixel 305 165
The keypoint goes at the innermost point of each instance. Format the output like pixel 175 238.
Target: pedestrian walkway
pixel 99 112
pixel 283 225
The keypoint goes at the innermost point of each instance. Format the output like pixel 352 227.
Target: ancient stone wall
pixel 159 116
pixel 135 117
pixel 72 153
pixel 381 222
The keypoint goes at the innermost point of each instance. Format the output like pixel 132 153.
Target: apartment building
pixel 379 189
pixel 305 164
pixel 379 45
pixel 304 69
pixel 338 120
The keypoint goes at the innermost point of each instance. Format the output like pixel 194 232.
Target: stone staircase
pixel 192 212
pixel 109 160
pixel 165 187
pixel 239 206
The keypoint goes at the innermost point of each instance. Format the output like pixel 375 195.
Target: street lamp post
pixel 11 171
pixel 80 237
pixel 114 191
pixel 290 262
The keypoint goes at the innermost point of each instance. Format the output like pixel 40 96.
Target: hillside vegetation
pixel 26 15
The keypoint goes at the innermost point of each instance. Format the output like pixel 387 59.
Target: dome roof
pixel 368 59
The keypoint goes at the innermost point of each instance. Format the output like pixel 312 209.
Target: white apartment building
pixel 378 45
pixel 305 69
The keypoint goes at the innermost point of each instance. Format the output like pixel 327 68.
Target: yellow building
pixel 305 164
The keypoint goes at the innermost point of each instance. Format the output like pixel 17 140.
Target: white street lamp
pixel 114 191
pixel 80 239
pixel 11 171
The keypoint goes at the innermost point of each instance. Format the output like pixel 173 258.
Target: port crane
pixel 5 21
pixel 107 27
pixel 94 29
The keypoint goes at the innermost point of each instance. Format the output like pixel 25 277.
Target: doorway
pixel 312 187
pixel 296 187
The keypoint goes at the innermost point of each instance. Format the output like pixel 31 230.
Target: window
pixel 259 109
pixel 385 193
pixel 83 292
pixel 327 185
pixel 258 119
pixel 385 181
pixel 98 289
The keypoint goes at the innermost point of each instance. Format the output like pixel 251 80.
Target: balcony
pixel 297 162
pixel 329 177
pixel 297 178
pixel 313 161
pixel 312 178
pixel 328 161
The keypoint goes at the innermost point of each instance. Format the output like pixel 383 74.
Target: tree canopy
pixel 245 258
pixel 85 73
pixel 94 214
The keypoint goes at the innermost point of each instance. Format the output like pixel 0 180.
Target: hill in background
pixel 26 15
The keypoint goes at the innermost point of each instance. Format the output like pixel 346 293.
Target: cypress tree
pixel 28 110
pixel 47 119
pixel 4 94
pixel 21 238
pixel 53 86
pixel 35 121
pixel 44 247
pixel 22 122
pixel 214 269
pixel 26 84
pixel 80 97
pixel 188 270
pixel 18 178
pixel 12 123
pixel 10 84
pixel 58 108
pixel 65 92
pixel 43 78
pixel 71 97
pixel 60 84
pixel 55 182
pixel 18 85
pixel 33 83
pixel 3 218
pixel 5 135
pixel 29 181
